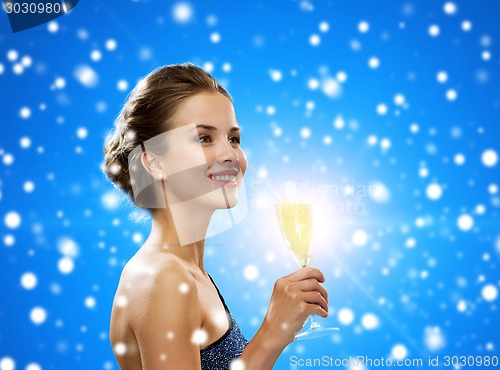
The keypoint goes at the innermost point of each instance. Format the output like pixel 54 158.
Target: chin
pixel 220 200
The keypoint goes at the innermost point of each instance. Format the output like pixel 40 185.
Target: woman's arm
pixel 294 298
pixel 169 317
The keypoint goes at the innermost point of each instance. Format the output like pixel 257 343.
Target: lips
pixel 224 178
pixel 224 173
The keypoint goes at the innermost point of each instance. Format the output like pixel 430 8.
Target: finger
pixel 306 273
pixel 311 285
pixel 315 298
pixel 315 309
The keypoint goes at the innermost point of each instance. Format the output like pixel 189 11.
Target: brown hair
pixel 147 112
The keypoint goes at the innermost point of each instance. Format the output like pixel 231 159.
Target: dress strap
pixel 218 292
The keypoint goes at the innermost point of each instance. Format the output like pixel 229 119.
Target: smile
pixel 227 181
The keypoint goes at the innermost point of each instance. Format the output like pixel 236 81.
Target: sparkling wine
pixel 295 219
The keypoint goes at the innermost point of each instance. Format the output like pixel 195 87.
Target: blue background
pixel 404 278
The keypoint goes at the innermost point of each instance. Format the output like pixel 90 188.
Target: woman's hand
pixel 294 298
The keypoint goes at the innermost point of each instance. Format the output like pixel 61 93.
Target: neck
pixel 180 230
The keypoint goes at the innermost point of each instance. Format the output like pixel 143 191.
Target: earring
pixel 160 176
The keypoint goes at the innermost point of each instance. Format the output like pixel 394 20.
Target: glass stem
pixel 314 322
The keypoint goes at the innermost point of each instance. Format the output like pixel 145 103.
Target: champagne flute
pixel 295 216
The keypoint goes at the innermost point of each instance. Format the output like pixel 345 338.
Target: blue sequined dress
pixel 219 354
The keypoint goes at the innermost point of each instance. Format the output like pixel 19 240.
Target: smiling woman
pixel 175 151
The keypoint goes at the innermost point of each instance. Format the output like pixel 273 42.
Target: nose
pixel 226 153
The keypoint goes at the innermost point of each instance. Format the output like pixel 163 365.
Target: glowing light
pixel 12 220
pixel 345 316
pixel 33 366
pixel 434 30
pixel 341 76
pixel 276 75
pixel 324 26
pixel 68 247
pixel 9 240
pixel 363 27
pixel 433 338
pixel 459 159
pixel 182 12
pixel 374 62
pixel 28 280
pixel 122 85
pixel 385 143
pixel 12 55
pixel 399 99
pixel 461 306
pixel 121 301
pixel 8 159
pixel 465 222
pixel 65 265
pixel 53 27
pixel 305 133
pixel 451 94
pixel 7 363
pixel 314 40
pixel 331 87
pixel 339 122
pixel 410 243
pixel 379 192
pixel 466 26
pixel 86 76
pixel 183 288
pixel 110 200
pixel 215 37
pixel 81 133
pixel 442 77
pixel 434 191
pixel 120 348
pixel 38 315
pixel 399 352
pixel 26 61
pixel 90 302
pixel 95 55
pixel 450 8
pixel 489 292
pixel 251 272
pixel 313 83
pixel 359 238
pixel 382 109
pixel 209 67
pixel 489 158
pixel 25 113
pixel 111 44
pixel 369 321
pixel 199 337
pixel 237 364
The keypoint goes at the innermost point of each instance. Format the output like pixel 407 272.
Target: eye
pixel 234 139
pixel 204 139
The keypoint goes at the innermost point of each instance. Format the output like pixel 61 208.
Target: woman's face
pixel 203 161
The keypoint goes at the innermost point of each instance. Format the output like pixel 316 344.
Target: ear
pixel 152 164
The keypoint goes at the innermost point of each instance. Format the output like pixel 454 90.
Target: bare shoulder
pixel 163 305
pixel 164 283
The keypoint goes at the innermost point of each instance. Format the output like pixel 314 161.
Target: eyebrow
pixel 212 128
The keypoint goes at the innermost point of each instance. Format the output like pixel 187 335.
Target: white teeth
pixel 226 178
